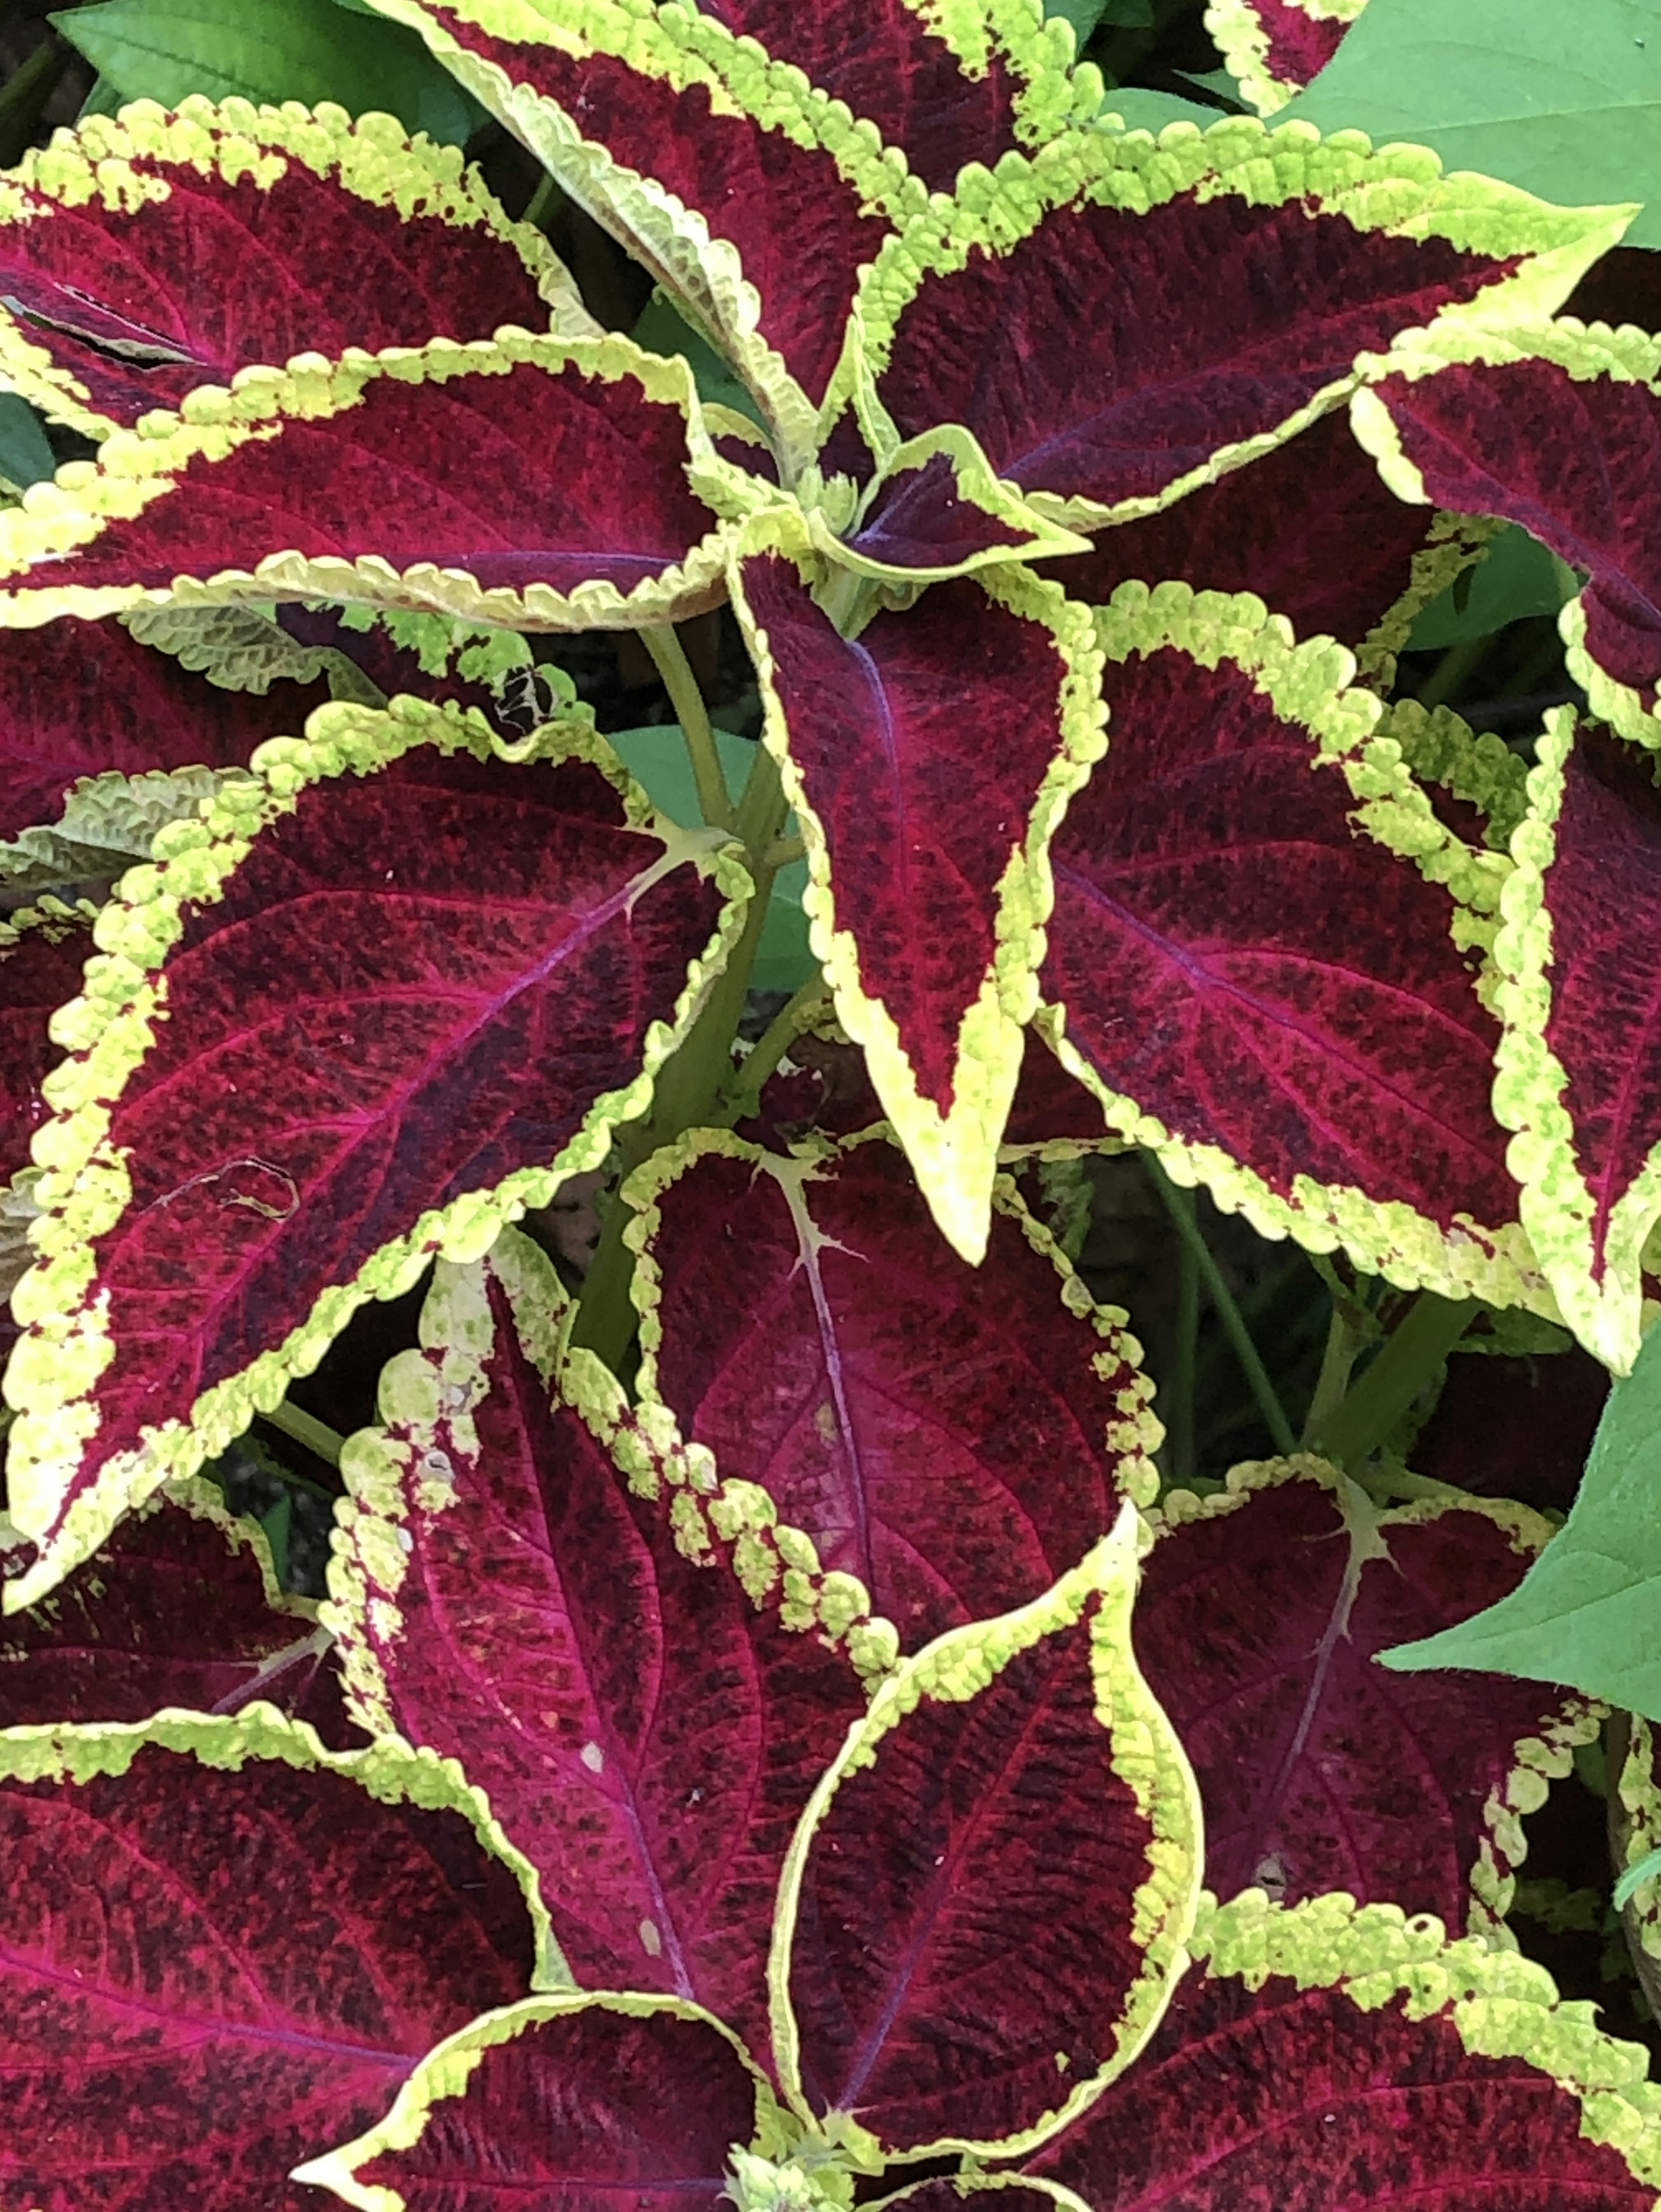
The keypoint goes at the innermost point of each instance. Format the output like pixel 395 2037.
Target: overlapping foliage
pixel 778 1727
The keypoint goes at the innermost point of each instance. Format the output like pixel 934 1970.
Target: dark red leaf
pixel 581 2107
pixel 1309 2099
pixel 80 698
pixel 952 1435
pixel 243 1966
pixel 178 1608
pixel 985 1915
pixel 1274 46
pixel 208 262
pixel 1515 1427
pixel 1259 1617
pixel 642 1731
pixel 921 519
pixel 1282 300
pixel 1237 958
pixel 40 971
pixel 418 982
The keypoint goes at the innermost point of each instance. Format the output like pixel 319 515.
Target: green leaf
pixel 1588 1612
pixel 1085 14
pixel 657 758
pixel 662 328
pixel 1518 577
pixel 1143 110
pixel 278 1523
pixel 1634 1878
pixel 305 49
pixel 25 456
pixel 1565 101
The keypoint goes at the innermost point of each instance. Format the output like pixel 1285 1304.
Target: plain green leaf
pixel 1085 14
pixel 662 328
pixel 1519 577
pixel 1634 1878
pixel 304 50
pixel 1142 110
pixel 279 1525
pixel 657 757
pixel 1562 97
pixel 25 456
pixel 1588 1612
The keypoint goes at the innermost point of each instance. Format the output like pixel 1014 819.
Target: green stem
pixel 776 1040
pixel 541 204
pixel 715 800
pixel 1450 672
pixel 1383 1483
pixel 1343 1346
pixel 1179 1204
pixel 306 1429
pixel 689 1086
pixel 1184 1364
pixel 1410 1356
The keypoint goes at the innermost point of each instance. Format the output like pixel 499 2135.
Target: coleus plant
pixel 774 1783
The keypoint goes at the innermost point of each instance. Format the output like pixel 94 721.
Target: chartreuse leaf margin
pixel 1308 685
pixel 954 1155
pixel 52 1380
pixel 1144 1754
pixel 389 1769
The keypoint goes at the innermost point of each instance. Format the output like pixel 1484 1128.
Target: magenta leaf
pixel 1210 996
pixel 343 958
pixel 1560 433
pixel 1260 1614
pixel 42 951
pixel 952 1436
pixel 180 1608
pixel 1327 2058
pixel 86 699
pixel 924 816
pixel 986 1901
pixel 540 482
pixel 502 1597
pixel 246 1943
pixel 562 2100
pixel 150 255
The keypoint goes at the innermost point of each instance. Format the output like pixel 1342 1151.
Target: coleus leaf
pixel 148 255
pixel 248 1943
pixel 180 1608
pixel 1336 1091
pixel 951 1435
pixel 80 701
pixel 1367 2063
pixel 543 482
pixel 1260 1612
pixel 971 319
pixel 926 785
pixel 42 951
pixel 1558 429
pixel 1635 1835
pixel 502 1597
pixel 948 1971
pixel 257 1126
pixel 730 127
pixel 569 2099
pixel 1273 47
pixel 1309 529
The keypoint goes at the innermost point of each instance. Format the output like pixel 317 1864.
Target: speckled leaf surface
pixel 952 1970
pixel 646 1734
pixel 1274 47
pixel 955 1437
pixel 224 2028
pixel 42 951
pixel 388 994
pixel 1366 2064
pixel 1260 1615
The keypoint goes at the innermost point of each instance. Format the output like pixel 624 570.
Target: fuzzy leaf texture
pixel 303 1130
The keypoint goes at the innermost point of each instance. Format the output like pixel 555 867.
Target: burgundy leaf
pixel 1237 958
pixel 923 517
pixel 178 1608
pixel 642 1732
pixel 80 698
pixel 1276 46
pixel 41 955
pixel 590 2102
pixel 1574 458
pixel 1308 528
pixel 244 1964
pixel 1051 1109
pixel 1282 298
pixel 952 1435
pixel 1260 1614
pixel 984 1915
pixel 419 984
pixel 778 196
pixel 1515 1427
pixel 541 486
pixel 1272 2092
pixel 238 237
pixel 923 757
